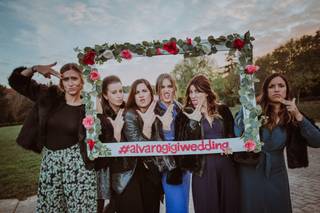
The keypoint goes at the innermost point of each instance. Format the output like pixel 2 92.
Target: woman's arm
pixel 21 80
pixel 310 132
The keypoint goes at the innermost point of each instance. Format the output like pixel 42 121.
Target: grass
pixel 19 169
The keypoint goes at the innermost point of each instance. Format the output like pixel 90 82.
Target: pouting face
pixel 167 91
pixel 114 94
pixel 277 90
pixel 72 82
pixel 196 96
pixel 143 96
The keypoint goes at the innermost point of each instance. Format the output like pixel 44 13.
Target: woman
pixel 143 186
pixel 65 184
pixel 265 187
pixel 175 183
pixel 111 119
pixel 214 179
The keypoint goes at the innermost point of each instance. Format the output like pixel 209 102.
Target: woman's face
pixel 71 82
pixel 196 96
pixel 114 94
pixel 166 91
pixel 143 96
pixel 277 90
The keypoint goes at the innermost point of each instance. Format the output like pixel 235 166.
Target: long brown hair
pixel 107 109
pixel 71 66
pixel 161 78
pixel 267 108
pixel 202 84
pixel 131 103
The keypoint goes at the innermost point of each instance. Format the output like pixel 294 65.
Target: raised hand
pixel 196 114
pixel 167 118
pixel 117 124
pixel 148 117
pixel 47 71
pixel 99 106
pixel 292 108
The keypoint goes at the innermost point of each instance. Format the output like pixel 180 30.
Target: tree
pixel 189 67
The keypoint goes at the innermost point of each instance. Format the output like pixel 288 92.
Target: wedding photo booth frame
pixel 237 46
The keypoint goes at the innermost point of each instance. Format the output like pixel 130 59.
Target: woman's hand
pixel 167 118
pixel 46 70
pixel 292 108
pixel 99 106
pixel 117 125
pixel 148 117
pixel 196 114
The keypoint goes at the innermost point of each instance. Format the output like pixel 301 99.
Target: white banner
pixel 159 148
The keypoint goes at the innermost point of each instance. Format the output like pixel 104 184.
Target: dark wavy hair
pixel 107 109
pixel 131 103
pixel 267 109
pixel 202 84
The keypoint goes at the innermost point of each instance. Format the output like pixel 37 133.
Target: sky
pixel 42 31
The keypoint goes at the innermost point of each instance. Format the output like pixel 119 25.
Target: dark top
pixel 63 128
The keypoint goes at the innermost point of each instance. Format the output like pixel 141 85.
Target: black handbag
pixel 247 158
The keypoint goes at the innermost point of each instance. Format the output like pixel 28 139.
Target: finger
pixel 53 64
pixel 152 106
pixel 119 115
pixel 110 119
pixel 294 100
pixel 285 102
pixel 55 73
pixel 140 113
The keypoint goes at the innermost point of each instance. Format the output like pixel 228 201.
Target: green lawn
pixel 19 168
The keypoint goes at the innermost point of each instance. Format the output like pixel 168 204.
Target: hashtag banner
pixel 159 148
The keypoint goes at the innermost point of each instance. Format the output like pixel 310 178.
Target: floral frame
pixel 237 45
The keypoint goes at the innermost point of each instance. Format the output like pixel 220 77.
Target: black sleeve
pixel 25 85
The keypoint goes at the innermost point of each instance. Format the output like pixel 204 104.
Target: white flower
pixel 107 54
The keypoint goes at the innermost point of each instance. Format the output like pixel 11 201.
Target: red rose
pixel 171 47
pixel 189 41
pixel 158 51
pixel 91 144
pixel 126 54
pixel 250 145
pixel 94 75
pixel 88 58
pixel 250 69
pixel 238 43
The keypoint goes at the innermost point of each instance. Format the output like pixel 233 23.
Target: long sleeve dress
pixel 265 187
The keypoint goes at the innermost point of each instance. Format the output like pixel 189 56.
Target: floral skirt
pixel 65 185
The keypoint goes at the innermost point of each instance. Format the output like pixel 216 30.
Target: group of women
pixel 70 182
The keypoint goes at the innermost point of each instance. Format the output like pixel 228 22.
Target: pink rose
pixel 94 75
pixel 171 47
pixel 250 145
pixel 238 43
pixel 250 69
pixel 158 51
pixel 91 144
pixel 88 122
pixel 189 41
pixel 126 54
pixel 88 58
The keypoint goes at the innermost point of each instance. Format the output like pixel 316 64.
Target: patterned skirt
pixel 65 185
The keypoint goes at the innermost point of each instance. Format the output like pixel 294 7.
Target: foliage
pixel 298 60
